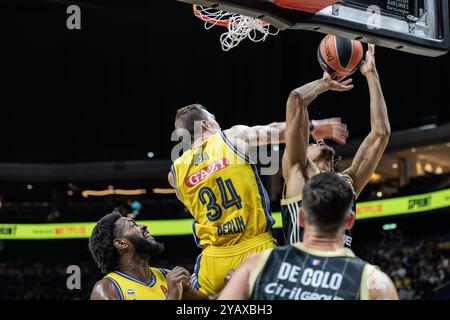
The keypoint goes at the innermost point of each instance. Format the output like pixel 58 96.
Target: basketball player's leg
pixel 212 267
pixel 209 274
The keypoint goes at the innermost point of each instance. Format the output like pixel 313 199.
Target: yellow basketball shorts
pixel 214 263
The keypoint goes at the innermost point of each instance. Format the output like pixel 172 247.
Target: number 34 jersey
pixel 222 190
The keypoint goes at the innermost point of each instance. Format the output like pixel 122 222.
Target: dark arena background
pixel 87 117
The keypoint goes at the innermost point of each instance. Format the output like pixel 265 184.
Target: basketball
pixel 340 56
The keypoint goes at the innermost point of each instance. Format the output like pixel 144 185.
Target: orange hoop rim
pixel 217 22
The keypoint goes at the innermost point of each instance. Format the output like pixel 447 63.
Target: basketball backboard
pixel 415 26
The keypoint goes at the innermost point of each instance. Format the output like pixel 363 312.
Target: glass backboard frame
pixel 429 36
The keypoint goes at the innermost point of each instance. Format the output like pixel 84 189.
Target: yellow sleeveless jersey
pixel 222 190
pixel 130 288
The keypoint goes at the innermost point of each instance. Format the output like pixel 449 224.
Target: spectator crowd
pixel 417 270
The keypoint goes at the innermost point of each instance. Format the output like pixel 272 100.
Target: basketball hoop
pixel 239 27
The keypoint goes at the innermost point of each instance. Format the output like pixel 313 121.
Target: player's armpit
pixel 105 290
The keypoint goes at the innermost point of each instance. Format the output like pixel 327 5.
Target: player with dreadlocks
pixel 122 250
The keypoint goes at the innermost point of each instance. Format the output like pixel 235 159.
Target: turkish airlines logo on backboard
pixel 204 173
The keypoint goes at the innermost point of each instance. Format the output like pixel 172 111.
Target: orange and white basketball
pixel 340 57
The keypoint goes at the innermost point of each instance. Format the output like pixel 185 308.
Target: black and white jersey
pixel 290 209
pixel 294 272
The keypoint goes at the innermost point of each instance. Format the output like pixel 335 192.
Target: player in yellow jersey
pixel 219 185
pixel 122 250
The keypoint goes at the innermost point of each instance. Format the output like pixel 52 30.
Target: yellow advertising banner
pixel 176 227
pixel 403 205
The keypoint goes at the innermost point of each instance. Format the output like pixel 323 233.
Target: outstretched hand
pixel 332 129
pixel 336 85
pixel 368 65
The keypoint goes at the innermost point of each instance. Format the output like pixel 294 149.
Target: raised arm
pixel 297 122
pixel 259 135
pixel 369 153
pixel 275 133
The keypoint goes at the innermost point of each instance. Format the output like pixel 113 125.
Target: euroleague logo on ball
pixel 328 49
pixel 339 56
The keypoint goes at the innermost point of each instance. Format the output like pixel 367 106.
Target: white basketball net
pixel 239 27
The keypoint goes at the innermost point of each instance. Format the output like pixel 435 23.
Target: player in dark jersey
pixel 301 162
pixel 320 267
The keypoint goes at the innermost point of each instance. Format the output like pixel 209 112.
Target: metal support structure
pixel 403 171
